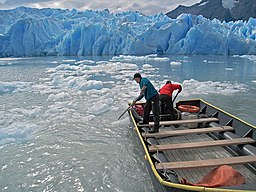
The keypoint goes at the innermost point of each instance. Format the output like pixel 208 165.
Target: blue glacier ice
pixel 43 32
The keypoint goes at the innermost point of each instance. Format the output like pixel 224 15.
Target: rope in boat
pixel 166 172
pixel 157 155
pixel 178 114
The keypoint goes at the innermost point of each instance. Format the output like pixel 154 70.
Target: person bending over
pixel 165 98
pixel 152 101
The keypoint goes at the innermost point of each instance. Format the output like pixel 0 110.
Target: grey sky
pixel 147 7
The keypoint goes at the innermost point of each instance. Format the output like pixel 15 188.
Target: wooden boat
pixel 203 141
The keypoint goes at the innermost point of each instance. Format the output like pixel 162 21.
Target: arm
pixel 177 86
pixel 180 88
pixel 140 96
pixel 142 91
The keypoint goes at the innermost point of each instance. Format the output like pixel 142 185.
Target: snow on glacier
pixel 229 4
pixel 44 32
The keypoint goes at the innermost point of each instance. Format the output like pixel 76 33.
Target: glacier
pixel 28 31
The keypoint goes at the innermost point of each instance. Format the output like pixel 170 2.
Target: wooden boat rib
pixel 206 163
pixel 187 131
pixel 204 120
pixel 213 143
pixel 219 138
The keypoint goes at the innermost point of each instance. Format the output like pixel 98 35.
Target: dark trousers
pixel 152 104
pixel 166 105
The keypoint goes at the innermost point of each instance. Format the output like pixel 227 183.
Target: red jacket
pixel 168 89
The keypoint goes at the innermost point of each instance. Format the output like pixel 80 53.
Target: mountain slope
pixel 224 10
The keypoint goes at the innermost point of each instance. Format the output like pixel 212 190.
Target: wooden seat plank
pixel 175 122
pixel 224 142
pixel 206 163
pixel 187 131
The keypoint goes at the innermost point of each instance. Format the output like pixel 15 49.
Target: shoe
pixel 153 130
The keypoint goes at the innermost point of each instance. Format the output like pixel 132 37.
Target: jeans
pixel 152 104
pixel 166 105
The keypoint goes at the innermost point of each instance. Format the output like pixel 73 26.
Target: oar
pixel 125 111
pixel 133 103
pixel 175 96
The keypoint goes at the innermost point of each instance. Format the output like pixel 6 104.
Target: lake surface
pixel 58 115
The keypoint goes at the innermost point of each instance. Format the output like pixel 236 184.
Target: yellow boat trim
pixel 182 186
pixel 234 117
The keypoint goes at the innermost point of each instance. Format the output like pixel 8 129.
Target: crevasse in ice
pixel 39 32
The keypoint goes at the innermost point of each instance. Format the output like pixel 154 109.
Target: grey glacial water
pixel 58 115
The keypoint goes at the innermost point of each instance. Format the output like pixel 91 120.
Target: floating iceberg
pixel 44 32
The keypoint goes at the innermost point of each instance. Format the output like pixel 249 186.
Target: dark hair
pixel 137 75
pixel 168 82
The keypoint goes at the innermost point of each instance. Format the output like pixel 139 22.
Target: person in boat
pixel 152 101
pixel 166 103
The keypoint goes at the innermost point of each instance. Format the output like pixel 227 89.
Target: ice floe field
pixel 58 115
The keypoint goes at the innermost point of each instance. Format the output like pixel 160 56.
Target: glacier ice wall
pixel 43 32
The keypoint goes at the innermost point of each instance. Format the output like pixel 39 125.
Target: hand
pixel 134 101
